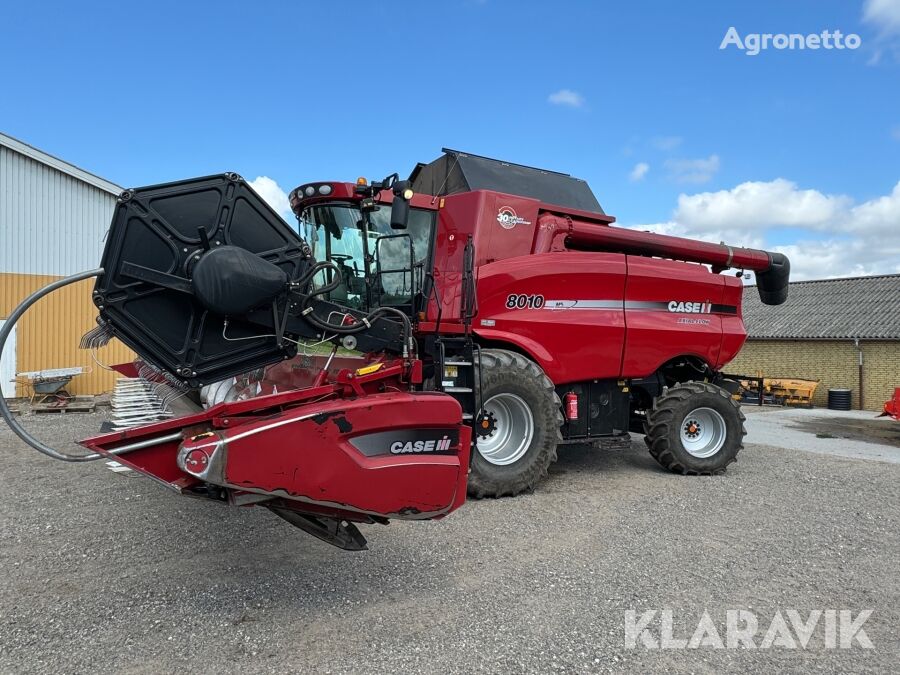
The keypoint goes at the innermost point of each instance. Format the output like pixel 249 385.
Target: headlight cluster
pixel 311 190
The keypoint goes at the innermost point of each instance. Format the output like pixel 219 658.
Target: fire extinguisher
pixel 571 403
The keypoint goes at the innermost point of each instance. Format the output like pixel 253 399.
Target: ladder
pixel 457 373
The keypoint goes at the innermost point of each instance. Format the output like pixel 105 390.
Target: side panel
pixel 603 409
pixel 456 221
pixel 394 454
pixel 672 309
pixel 502 227
pixel 506 227
pixel 734 334
pixel 370 454
pixel 564 309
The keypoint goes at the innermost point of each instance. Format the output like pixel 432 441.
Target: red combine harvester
pixel 494 311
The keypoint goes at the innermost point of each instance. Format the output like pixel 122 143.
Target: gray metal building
pixel 53 219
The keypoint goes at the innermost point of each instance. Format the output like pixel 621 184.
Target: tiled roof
pixel 861 307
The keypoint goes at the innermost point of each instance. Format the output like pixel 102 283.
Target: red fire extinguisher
pixel 571 402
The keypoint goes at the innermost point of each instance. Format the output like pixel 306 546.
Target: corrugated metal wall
pixel 52 225
pixel 48 335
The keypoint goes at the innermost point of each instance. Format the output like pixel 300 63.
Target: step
pixel 457 363
pixel 458 390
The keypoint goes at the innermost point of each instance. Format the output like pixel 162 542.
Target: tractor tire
pixel 695 428
pixel 522 416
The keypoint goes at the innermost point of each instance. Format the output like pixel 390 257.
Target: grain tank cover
pixel 461 172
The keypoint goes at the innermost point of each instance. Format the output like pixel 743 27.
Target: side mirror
pixel 400 205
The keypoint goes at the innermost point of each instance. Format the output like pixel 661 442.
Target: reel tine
pixel 143 400
pixel 97 337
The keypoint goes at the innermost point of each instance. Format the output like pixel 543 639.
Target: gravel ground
pixel 857 434
pixel 110 573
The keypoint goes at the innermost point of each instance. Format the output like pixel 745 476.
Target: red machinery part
pixel 772 269
pixel 312 449
pixel 366 455
pixel 892 406
pixel 666 246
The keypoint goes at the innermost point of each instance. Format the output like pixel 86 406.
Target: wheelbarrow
pixel 49 386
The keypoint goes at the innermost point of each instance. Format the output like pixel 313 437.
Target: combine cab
pixel 492 313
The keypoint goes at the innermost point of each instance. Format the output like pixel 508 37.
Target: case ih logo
pixel 508 219
pixel 434 445
pixel 690 307
pixel 408 442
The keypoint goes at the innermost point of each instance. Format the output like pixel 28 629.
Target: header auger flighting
pixel 494 310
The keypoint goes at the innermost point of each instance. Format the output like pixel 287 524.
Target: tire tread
pixel 663 414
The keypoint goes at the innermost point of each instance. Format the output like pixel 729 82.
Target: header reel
pixel 204 280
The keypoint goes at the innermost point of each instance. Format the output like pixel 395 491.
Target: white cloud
pixel 693 170
pixel 566 97
pixel 272 193
pixel 879 217
pixel 884 15
pixel 759 205
pixel 666 143
pixel 841 238
pixel 639 171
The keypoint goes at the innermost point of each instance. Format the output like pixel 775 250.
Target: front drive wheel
pixel 695 428
pixel 518 428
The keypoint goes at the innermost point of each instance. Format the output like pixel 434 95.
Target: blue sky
pixel 147 92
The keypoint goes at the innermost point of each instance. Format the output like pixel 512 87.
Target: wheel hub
pixel 703 432
pixel 486 425
pixel 505 429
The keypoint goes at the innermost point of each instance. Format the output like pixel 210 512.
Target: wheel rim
pixel 703 432
pixel 513 429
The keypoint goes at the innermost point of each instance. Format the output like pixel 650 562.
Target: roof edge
pixel 831 279
pixel 60 165
pixel 794 338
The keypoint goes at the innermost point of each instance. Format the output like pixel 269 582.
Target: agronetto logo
pixel 753 43
pixel 743 629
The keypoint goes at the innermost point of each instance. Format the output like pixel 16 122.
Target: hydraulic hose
pixel 5 332
pixel 340 329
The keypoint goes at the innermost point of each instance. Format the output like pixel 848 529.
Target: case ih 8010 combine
pixel 498 312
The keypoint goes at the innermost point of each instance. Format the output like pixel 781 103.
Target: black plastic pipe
pixel 5 332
